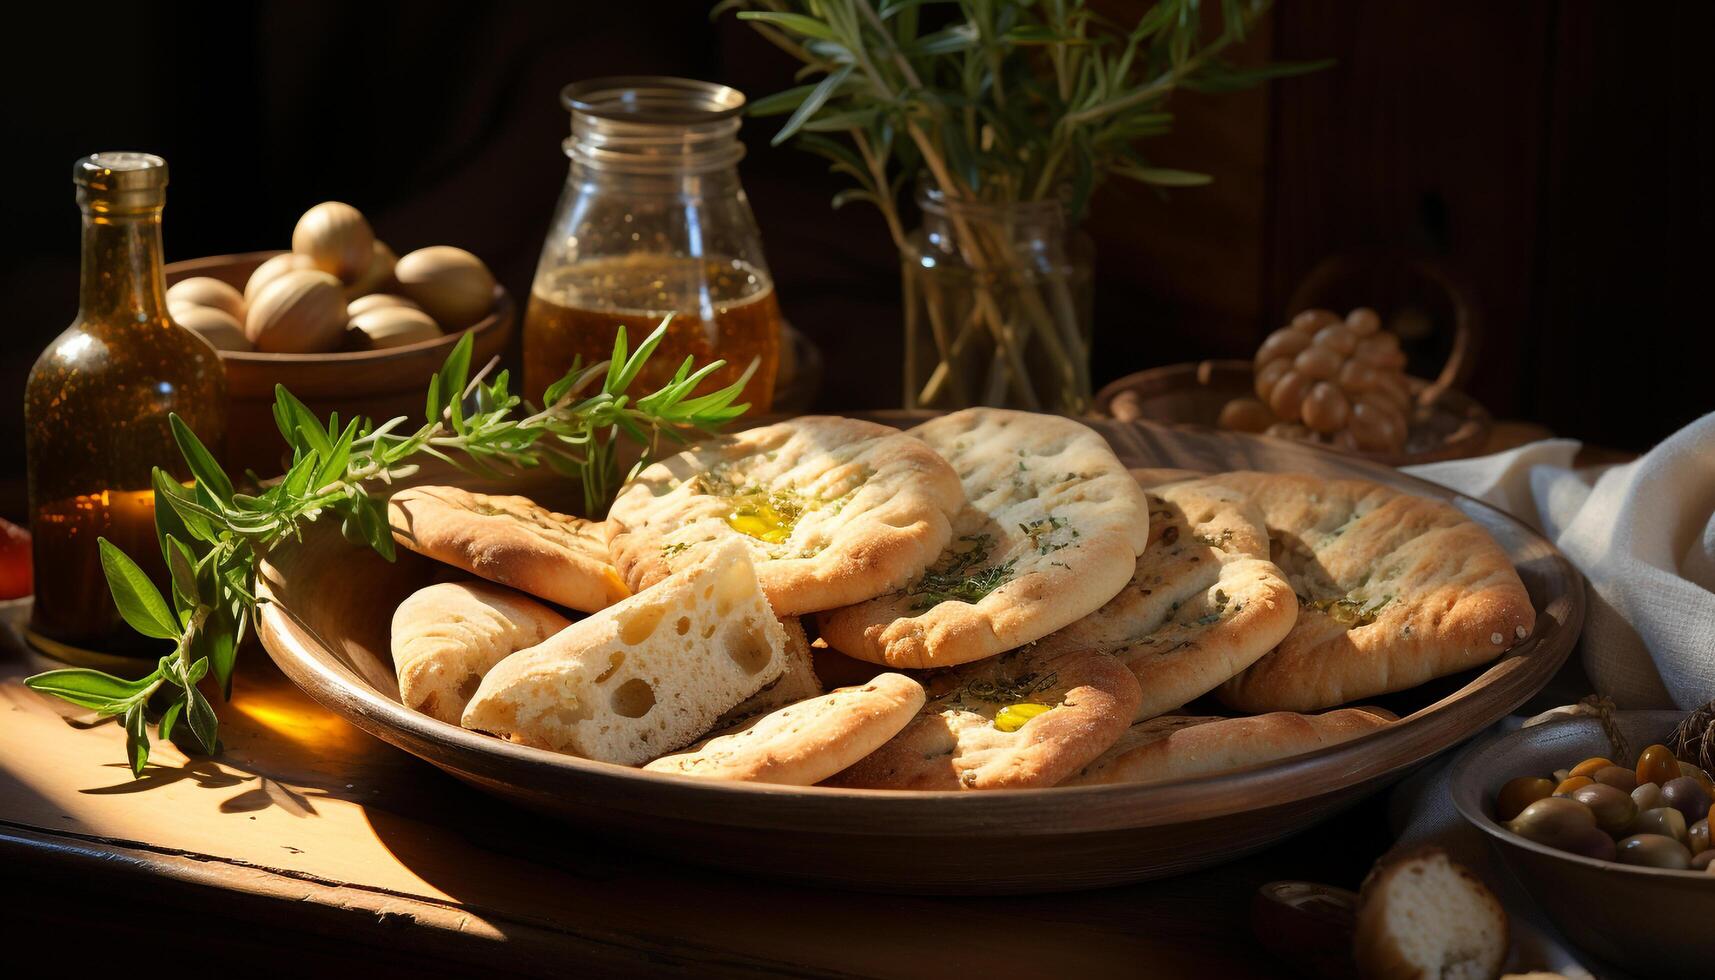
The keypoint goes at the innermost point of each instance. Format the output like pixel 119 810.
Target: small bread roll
pixel 1425 916
pixel 301 312
pixel 271 270
pixel 450 284
pixel 375 301
pixel 336 238
pixel 393 326
pixel 216 326
pixel 207 291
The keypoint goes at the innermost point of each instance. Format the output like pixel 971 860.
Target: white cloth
pixel 1643 534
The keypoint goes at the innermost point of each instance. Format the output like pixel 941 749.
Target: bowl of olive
pixel 1616 851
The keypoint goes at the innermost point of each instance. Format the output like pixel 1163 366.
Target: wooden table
pixel 307 841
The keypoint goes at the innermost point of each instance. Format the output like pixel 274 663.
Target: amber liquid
pixel 96 422
pixel 722 308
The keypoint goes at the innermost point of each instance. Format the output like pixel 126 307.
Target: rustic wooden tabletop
pixel 307 840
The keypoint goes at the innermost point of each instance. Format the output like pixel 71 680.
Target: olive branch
pixel 211 535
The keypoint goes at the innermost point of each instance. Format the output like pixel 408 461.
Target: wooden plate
pixel 327 628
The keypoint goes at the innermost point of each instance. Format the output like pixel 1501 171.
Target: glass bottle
pixel 96 408
pixel 653 221
pixel 997 306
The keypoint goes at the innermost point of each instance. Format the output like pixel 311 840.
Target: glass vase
pixel 997 307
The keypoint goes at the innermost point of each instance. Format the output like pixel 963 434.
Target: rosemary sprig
pixel 960 577
pixel 211 535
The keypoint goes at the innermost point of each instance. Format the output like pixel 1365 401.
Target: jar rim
pixel 645 99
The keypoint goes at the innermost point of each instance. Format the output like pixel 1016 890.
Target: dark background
pixel 1556 156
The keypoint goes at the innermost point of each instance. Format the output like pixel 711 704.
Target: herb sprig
pixel 211 534
pixel 961 577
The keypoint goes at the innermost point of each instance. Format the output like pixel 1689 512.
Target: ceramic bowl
pixel 1647 922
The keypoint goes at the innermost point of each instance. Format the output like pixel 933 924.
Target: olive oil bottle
pixel 96 413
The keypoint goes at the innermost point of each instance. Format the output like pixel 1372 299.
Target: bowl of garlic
pixel 340 319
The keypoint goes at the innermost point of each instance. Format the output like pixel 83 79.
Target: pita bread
pixel 804 743
pixel 1050 531
pixel 1203 603
pixel 510 540
pixel 1182 747
pixel 1394 590
pixel 1017 721
pixel 833 511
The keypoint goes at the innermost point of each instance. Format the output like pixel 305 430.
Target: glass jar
pixel 653 222
pixel 997 307
pixel 96 411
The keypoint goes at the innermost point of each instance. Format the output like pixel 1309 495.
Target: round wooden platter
pixel 327 623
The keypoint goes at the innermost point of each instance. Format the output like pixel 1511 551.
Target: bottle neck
pixel 122 270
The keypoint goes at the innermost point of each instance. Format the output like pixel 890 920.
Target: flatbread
pixel 1051 529
pixel 798 682
pixel 1394 590
pixel 1082 700
pixel 1181 746
pixel 1203 603
pixel 804 743
pixel 510 540
pixel 448 636
pixel 834 511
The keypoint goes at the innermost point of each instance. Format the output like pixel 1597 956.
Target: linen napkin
pixel 1643 534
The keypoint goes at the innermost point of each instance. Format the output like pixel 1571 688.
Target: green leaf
pixel 813 104
pixel 796 23
pixel 183 569
pixel 780 103
pixel 137 738
pixel 138 601
pixel 452 378
pixel 333 466
pixel 216 646
pixel 199 714
pixel 90 688
pixel 198 458
pixel 169 718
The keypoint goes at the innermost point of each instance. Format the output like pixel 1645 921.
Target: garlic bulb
pixel 300 312
pixel 336 238
pixel 204 291
pixel 271 270
pixel 450 284
pixel 220 328
pixel 392 326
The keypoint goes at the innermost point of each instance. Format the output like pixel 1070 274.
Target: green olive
pixel 1686 795
pixel 1663 820
pixel 1618 777
pixel 1554 822
pixel 1654 851
pixel 1592 842
pixel 1520 793
pixel 1613 808
pixel 1697 836
pixel 1647 796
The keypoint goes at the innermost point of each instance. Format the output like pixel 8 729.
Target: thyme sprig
pixel 211 534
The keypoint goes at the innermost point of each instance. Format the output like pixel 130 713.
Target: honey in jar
pixel 96 411
pixel 654 221
pixel 721 308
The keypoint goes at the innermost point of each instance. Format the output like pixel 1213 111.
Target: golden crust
pixel 1182 746
pixel 510 540
pixel 447 637
pixel 954 742
pixel 1049 508
pixel 1202 604
pixel 804 743
pixel 1396 590
pixel 869 505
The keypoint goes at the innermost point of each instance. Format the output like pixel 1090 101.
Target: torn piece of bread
pixel 1424 916
pixel 797 682
pixel 447 637
pixel 645 676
